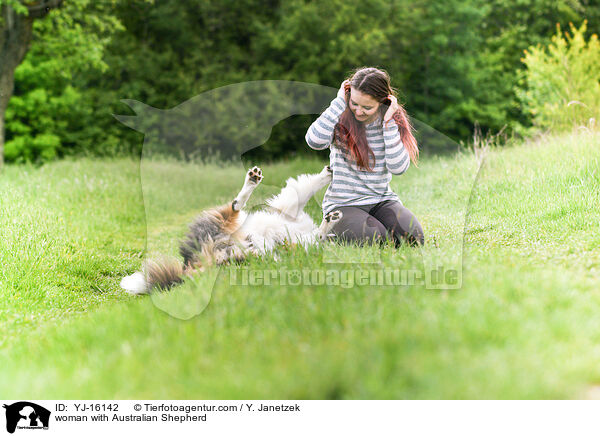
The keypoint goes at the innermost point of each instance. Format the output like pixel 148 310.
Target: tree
pixel 51 111
pixel 562 81
pixel 16 29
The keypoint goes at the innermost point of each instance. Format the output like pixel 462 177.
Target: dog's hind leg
pixel 321 233
pixel 327 224
pixel 292 199
pixel 253 178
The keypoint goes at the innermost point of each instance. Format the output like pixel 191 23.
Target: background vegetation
pixel 456 63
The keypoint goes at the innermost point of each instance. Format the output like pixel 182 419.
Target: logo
pixel 25 415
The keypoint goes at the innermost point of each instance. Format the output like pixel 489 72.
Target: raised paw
pixel 334 216
pixel 327 172
pixel 254 175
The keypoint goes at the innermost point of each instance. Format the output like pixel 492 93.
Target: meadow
pixel 523 323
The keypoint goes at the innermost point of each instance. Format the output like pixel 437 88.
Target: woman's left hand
pixel 392 109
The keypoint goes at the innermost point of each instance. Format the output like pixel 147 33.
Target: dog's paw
pixel 334 216
pixel 254 176
pixel 327 172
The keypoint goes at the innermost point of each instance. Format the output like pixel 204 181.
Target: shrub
pixel 562 81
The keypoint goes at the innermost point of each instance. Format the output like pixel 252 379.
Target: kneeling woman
pixel 370 138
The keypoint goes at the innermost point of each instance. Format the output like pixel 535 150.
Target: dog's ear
pixel 145 116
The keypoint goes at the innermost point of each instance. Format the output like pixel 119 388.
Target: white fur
pixel 297 192
pixel 287 221
pixel 135 284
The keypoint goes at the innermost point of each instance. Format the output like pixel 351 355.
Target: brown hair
pixel 350 134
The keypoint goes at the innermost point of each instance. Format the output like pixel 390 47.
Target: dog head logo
pixel 26 415
pixel 223 124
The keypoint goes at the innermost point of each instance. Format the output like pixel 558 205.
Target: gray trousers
pixel 378 222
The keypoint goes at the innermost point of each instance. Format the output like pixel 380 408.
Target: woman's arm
pixel 397 159
pixel 320 133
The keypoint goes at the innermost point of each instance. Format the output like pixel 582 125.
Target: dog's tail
pixel 162 274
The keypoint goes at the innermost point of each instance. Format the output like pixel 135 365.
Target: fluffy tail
pixel 160 274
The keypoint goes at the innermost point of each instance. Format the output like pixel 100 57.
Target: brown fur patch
pixel 228 217
pixel 163 273
pixel 193 268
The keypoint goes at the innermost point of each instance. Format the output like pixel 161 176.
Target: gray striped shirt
pixel 350 185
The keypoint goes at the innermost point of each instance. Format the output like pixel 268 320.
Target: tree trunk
pixel 6 88
pixel 15 35
pixel 1 138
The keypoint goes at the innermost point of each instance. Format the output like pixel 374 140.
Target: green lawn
pixel 524 324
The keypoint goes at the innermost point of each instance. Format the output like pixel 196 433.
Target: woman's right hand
pixel 342 90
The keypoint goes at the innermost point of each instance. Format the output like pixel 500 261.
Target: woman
pixel 370 138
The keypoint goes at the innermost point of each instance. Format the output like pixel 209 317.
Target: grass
pixel 523 324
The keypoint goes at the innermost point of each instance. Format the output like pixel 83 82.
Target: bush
pixel 562 81
pixel 40 148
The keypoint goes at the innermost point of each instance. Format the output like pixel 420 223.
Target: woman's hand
pixel 394 106
pixel 342 90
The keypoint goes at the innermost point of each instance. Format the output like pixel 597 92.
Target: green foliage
pixel 16 5
pixel 42 147
pixel 36 116
pixel 455 63
pixel 562 81
pixel 507 29
pixel 50 113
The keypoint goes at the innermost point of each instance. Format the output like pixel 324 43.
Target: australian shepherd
pixel 228 233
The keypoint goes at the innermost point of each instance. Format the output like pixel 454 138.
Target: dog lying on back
pixel 227 233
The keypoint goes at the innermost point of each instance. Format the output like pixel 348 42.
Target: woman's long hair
pixel 350 134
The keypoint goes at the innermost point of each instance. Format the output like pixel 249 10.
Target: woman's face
pixel 363 106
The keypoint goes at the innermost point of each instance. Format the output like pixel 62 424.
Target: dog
pixel 229 234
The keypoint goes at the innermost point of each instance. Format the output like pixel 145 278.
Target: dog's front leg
pixel 253 178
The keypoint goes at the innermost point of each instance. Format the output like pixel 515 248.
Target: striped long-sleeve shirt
pixel 350 185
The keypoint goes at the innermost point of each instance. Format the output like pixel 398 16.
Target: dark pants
pixel 377 222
